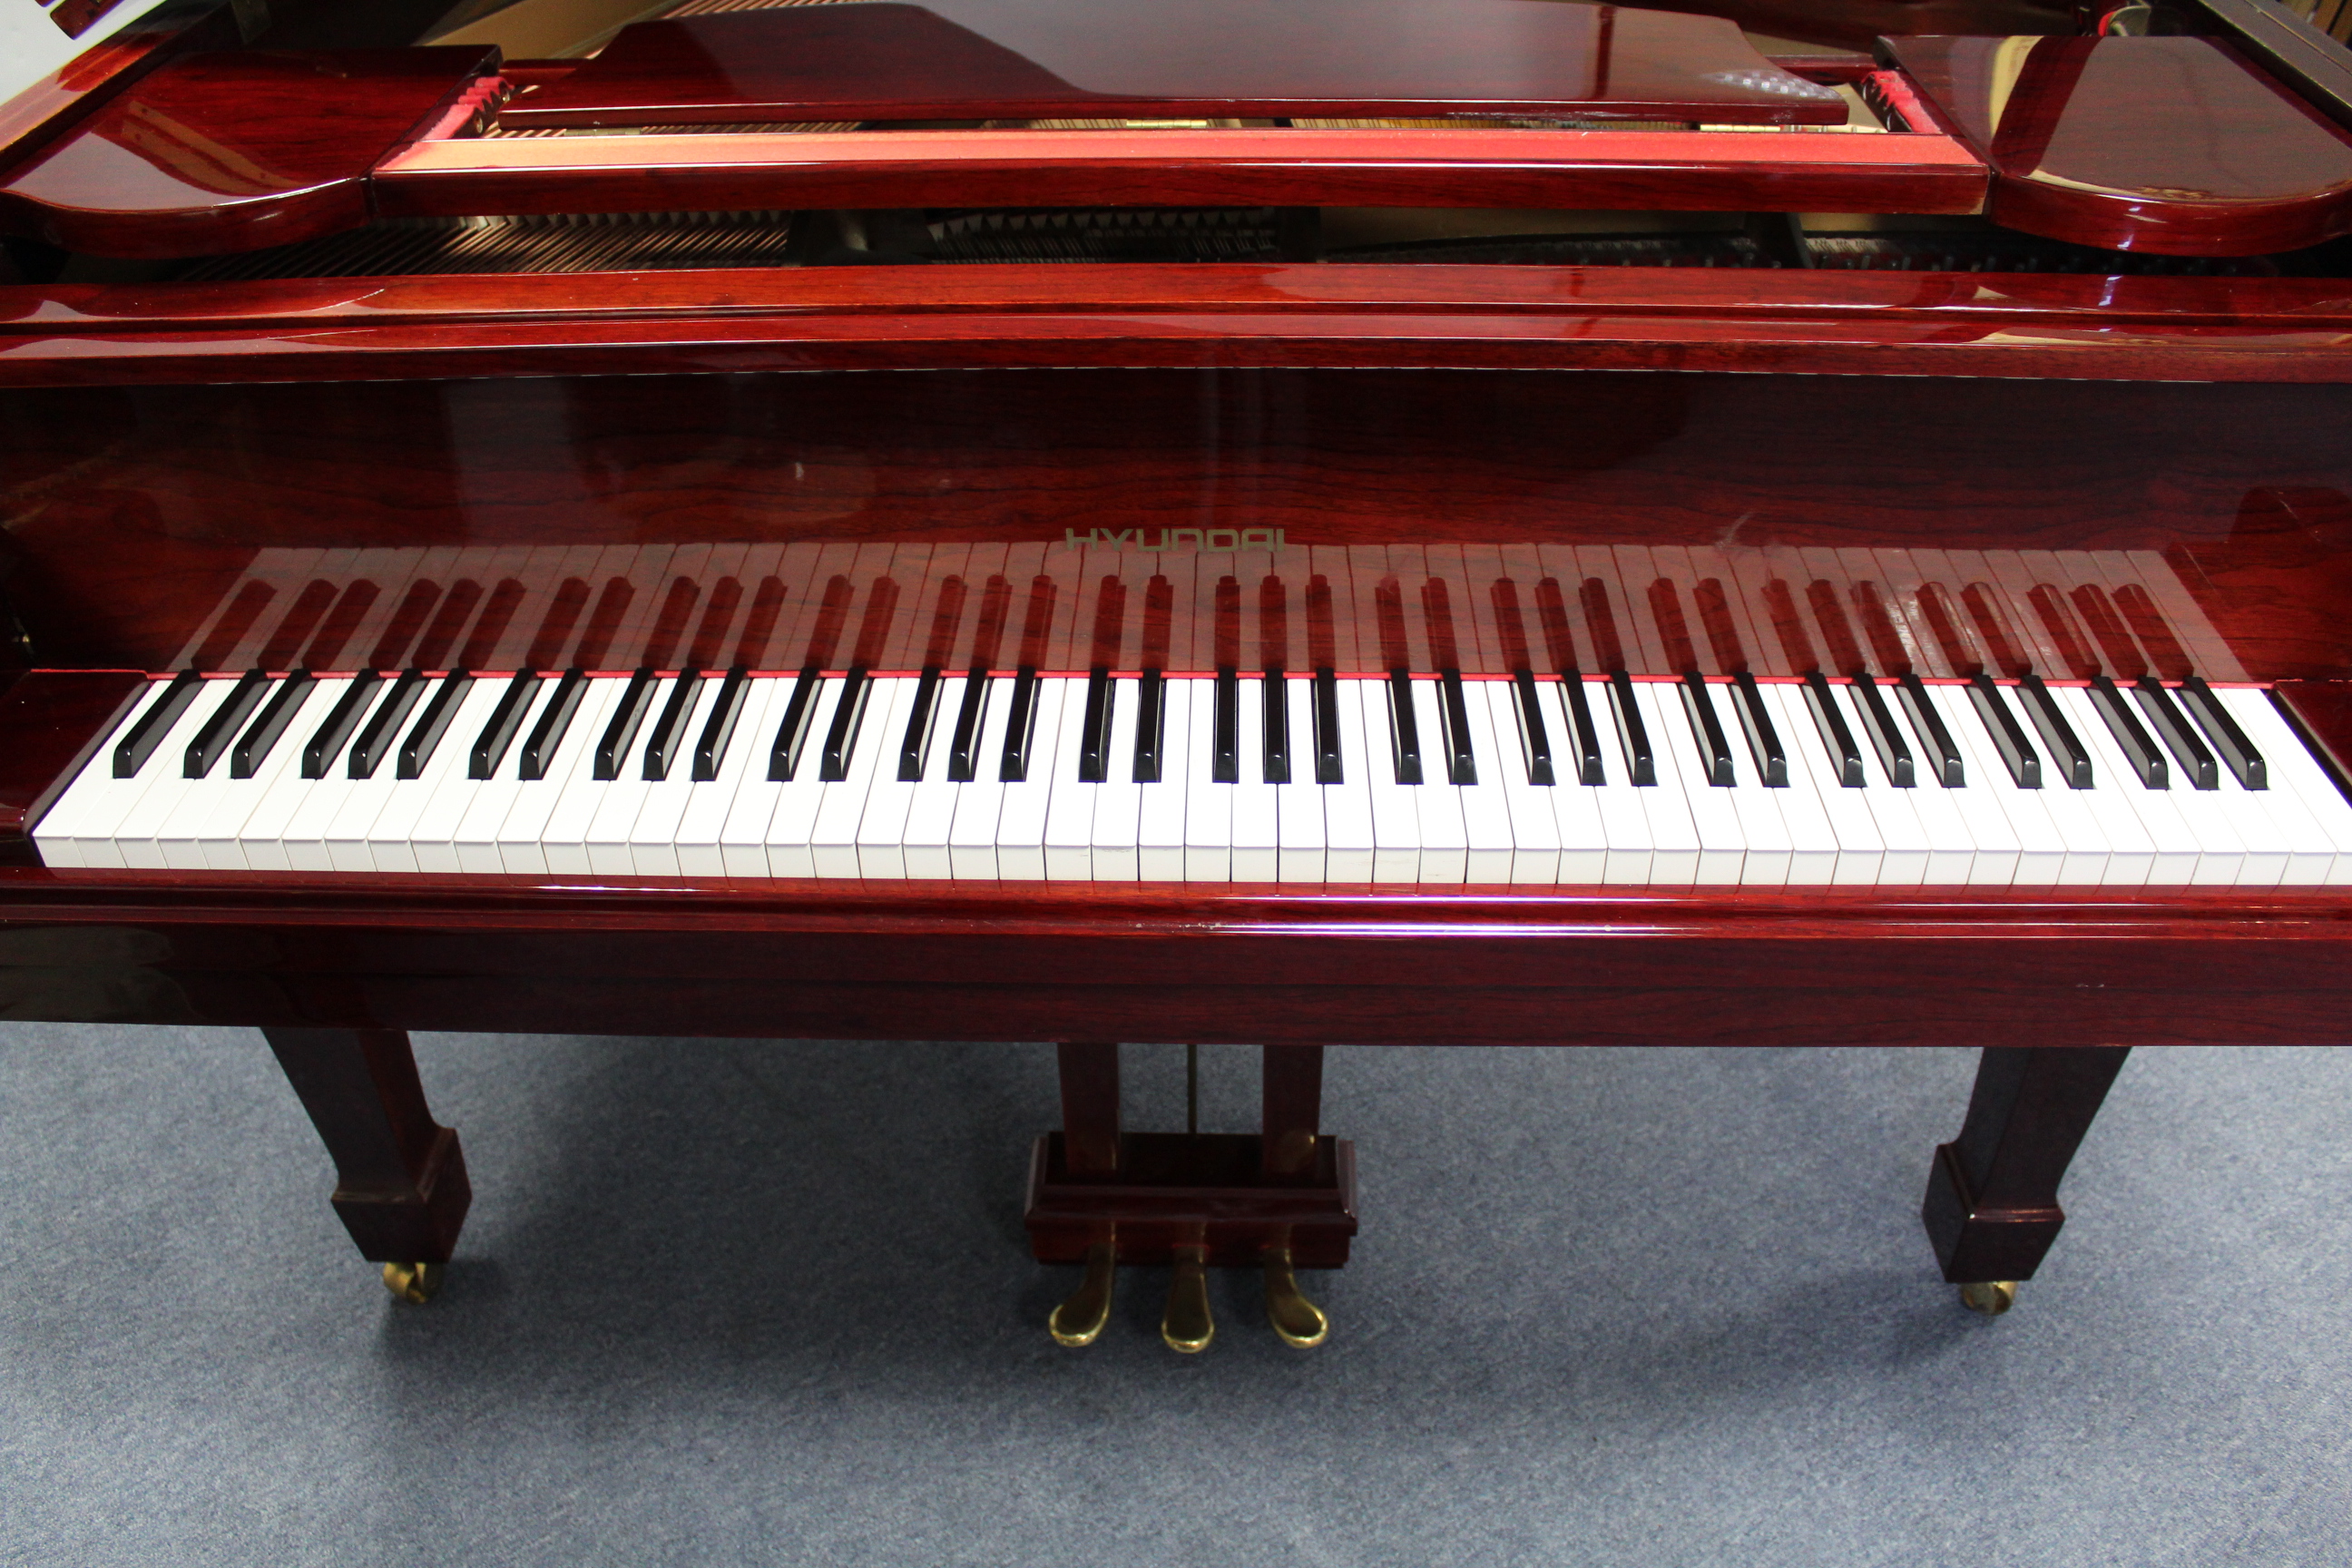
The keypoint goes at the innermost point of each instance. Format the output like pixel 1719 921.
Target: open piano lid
pixel 984 59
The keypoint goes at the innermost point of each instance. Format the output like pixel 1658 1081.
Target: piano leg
pixel 1992 1208
pixel 400 1177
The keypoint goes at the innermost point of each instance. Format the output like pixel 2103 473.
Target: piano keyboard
pixel 1235 776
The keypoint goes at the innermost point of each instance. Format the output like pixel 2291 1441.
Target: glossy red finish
pixel 1857 23
pixel 1031 961
pixel 1691 169
pixel 231 150
pixel 1203 317
pixel 54 104
pixel 2176 145
pixel 53 720
pixel 996 59
pixel 1174 1188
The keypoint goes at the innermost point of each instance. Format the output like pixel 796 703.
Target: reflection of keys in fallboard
pixel 1103 600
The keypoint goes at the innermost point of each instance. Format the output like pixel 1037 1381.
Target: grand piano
pixel 1456 521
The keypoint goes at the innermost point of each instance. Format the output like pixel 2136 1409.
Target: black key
pixel 376 736
pixel 1151 725
pixel 554 719
pixel 1535 740
pixel 1943 755
pixel 1276 690
pixel 223 723
pixel 1226 731
pixel 417 752
pixel 710 750
pixel 1763 735
pixel 1020 728
pixel 848 714
pixel 2237 752
pixel 2197 765
pixel 499 733
pixel 914 749
pixel 2017 753
pixel 791 735
pixel 1330 769
pixel 1586 736
pixel 1831 722
pixel 1706 729
pixel 253 747
pixel 1454 719
pixel 327 741
pixel 2139 749
pixel 1885 738
pixel 622 732
pixel 1094 728
pixel 1641 766
pixel 1404 731
pixel 2067 756
pixel 964 748
pixel 669 737
pixel 135 747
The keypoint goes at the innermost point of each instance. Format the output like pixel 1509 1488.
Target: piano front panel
pixel 255 523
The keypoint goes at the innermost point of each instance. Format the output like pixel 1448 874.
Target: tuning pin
pixel 1079 1320
pixel 1991 1296
pixel 1301 1323
pixel 1187 1325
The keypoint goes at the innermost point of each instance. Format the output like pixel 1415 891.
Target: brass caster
pixel 1187 1326
pixel 1301 1323
pixel 1992 1297
pixel 1079 1320
pixel 414 1283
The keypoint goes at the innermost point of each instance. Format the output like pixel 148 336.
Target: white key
pixel 1769 850
pixel 1395 811
pixel 1534 827
pixel 262 838
pixel 476 840
pixel 1208 805
pixel 1160 822
pixel 834 837
pixel 701 832
pixel 1604 828
pixel 1256 819
pixel 1821 812
pixel 556 809
pixel 1298 805
pixel 653 838
pixel 1070 814
pixel 1443 834
pixel 328 831
pixel 1348 847
pixel 931 809
pixel 619 799
pixel 2233 849
pixel 980 804
pixel 393 838
pixel 789 834
pixel 1681 768
pixel 1119 800
pixel 1021 819
pixel 1967 837
pixel 2044 855
pixel 2088 848
pixel 2100 813
pixel 882 825
pixel 1487 822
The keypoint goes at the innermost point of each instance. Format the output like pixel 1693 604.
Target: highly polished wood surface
pixel 231 150
pixel 982 60
pixel 2176 145
pixel 1687 170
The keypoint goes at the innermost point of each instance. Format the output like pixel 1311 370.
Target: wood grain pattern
pixel 231 150
pixel 2176 145
pixel 995 59
pixel 1689 170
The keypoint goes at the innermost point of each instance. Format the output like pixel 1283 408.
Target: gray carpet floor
pixel 725 1303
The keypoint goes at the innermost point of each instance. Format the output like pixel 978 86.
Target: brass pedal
pixel 1079 1320
pixel 1187 1325
pixel 1991 1296
pixel 1300 1322
pixel 414 1283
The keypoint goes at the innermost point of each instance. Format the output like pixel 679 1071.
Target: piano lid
pixel 984 59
